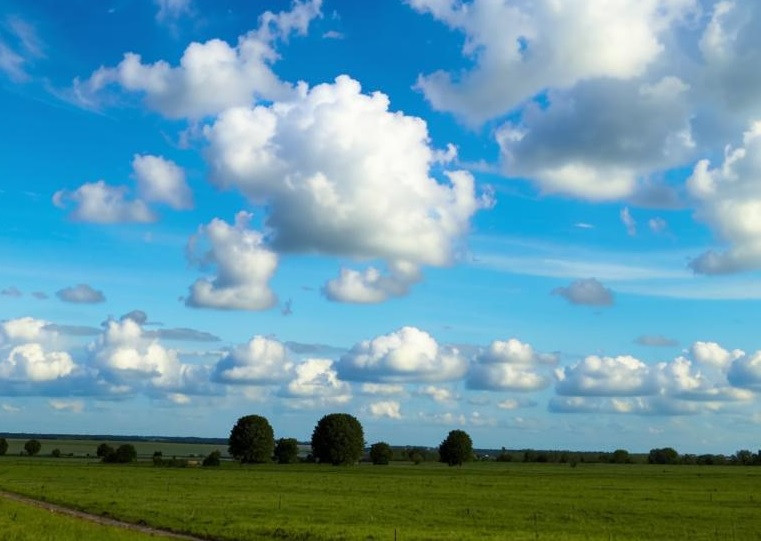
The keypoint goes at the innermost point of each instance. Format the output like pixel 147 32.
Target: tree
pixel 104 450
pixel 666 455
pixel 212 459
pixel 620 456
pixel 55 453
pixel 125 453
pixel 287 451
pixel 338 439
pixel 252 440
pixel 456 448
pixel 381 453
pixel 3 446
pixel 32 447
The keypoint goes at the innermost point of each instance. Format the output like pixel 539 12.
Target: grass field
pixel 81 448
pixel 430 501
pixel 20 522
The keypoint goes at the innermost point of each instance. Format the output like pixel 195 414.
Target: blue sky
pixel 537 221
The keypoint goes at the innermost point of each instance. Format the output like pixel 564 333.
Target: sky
pixel 536 221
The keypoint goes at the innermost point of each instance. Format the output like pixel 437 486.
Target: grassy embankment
pixel 430 501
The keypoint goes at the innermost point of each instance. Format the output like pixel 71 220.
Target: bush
pixel 252 440
pixel 667 455
pixel 381 453
pixel 55 453
pixel 124 454
pixel 287 451
pixel 32 447
pixel 456 448
pixel 620 456
pixel 3 446
pixel 338 439
pixel 212 459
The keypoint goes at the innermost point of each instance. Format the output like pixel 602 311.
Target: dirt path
pixel 98 519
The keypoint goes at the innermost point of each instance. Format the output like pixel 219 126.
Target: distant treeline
pixel 111 437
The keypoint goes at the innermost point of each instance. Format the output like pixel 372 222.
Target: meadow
pixel 404 501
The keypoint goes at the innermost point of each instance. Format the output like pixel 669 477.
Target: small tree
pixel 456 448
pixel 212 459
pixel 3 446
pixel 666 455
pixel 125 453
pixel 55 453
pixel 287 451
pixel 252 440
pixel 32 447
pixel 104 450
pixel 381 453
pixel 338 439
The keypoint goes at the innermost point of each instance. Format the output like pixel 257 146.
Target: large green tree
pixel 252 440
pixel 32 447
pixel 456 448
pixel 338 439
pixel 3 446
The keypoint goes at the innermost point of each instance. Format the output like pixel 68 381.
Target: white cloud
pixel 162 180
pixel 712 354
pixel 244 267
pixel 438 394
pixel 172 9
pixel 22 329
pixel 657 225
pixel 101 203
pixel 521 47
pixel 7 408
pixel 587 291
pixel 73 406
pixel 510 365
pixel 31 363
pixel 16 57
pixel 316 384
pixel 81 294
pixel 628 221
pixel 261 361
pixel 729 200
pixel 343 175
pixel 514 351
pixel 405 356
pixel 370 285
pixel 389 409
pixel 12 64
pixel 745 371
pixel 211 76
pixel 605 376
pixel 382 388
pixel 600 139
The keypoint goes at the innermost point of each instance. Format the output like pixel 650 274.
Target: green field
pixel 21 522
pixel 430 501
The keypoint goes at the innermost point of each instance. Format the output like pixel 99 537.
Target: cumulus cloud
pixel 73 406
pixel 438 394
pixel 382 388
pixel 408 355
pixel 389 409
pixel 600 139
pixel 510 365
pixel 32 363
pixel 712 354
pixel 316 384
pixel 588 291
pixel 211 76
pixel 81 294
pixel 605 376
pixel 101 203
pixel 514 351
pixel 261 361
pixel 244 266
pixel 22 329
pixel 161 180
pixel 729 200
pixel 522 47
pixel 343 175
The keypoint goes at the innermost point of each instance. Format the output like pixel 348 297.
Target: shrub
pixel 287 451
pixel 122 455
pixel 620 456
pixel 252 440
pixel 381 453
pixel 104 450
pixel 338 439
pixel 667 455
pixel 32 447
pixel 55 453
pixel 212 459
pixel 3 446
pixel 456 448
